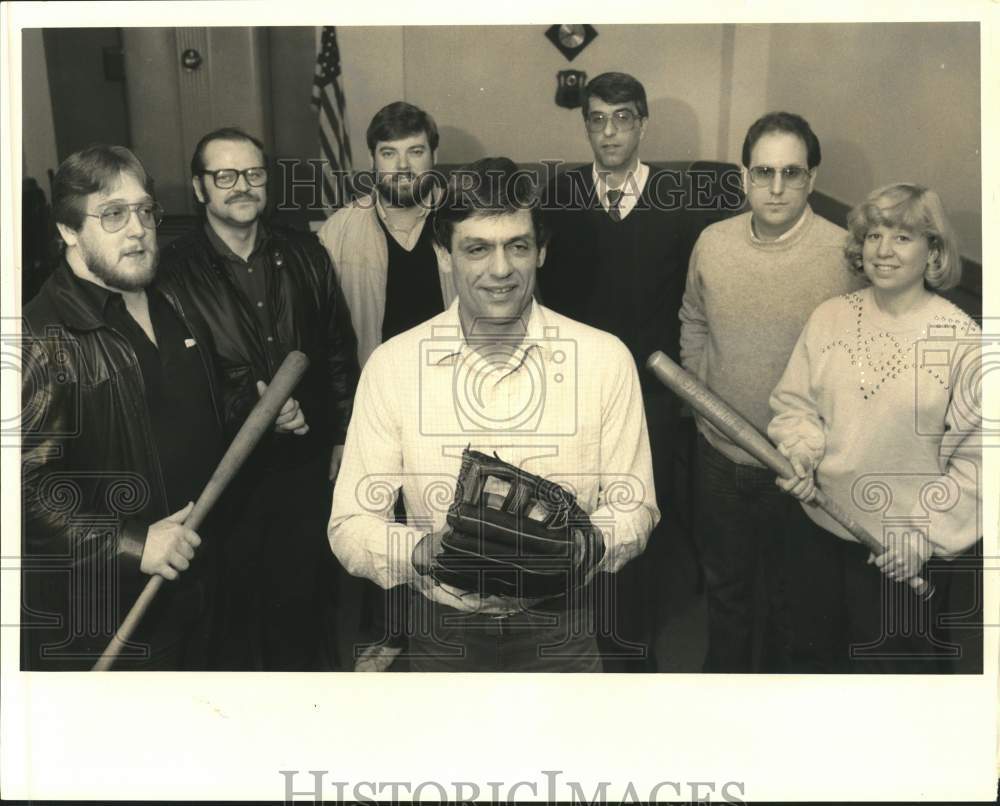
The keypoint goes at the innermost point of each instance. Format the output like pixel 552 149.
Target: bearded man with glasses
pixel 753 280
pixel 265 291
pixel 121 428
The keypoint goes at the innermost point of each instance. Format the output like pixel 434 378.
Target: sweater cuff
pixel 814 446
pixel 131 544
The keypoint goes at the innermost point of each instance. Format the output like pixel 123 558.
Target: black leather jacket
pixel 308 313
pixel 91 478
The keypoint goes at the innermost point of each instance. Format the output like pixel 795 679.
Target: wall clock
pixel 570 40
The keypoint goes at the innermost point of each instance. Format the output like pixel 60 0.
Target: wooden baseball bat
pixel 731 423
pixel 258 423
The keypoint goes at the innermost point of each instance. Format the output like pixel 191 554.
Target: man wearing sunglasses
pixel 752 283
pixel 121 430
pixel 266 291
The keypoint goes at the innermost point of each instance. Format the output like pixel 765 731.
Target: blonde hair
pixel 914 208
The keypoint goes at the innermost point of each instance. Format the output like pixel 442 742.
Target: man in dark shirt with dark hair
pixel 265 291
pixel 617 260
pixel 121 428
pixel 381 243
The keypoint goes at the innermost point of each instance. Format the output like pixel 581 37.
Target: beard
pixel 125 273
pixel 405 189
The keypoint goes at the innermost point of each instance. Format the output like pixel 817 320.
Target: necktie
pixel 614 198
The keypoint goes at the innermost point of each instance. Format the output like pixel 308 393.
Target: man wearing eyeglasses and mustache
pixel 266 291
pixel 121 429
pixel 753 280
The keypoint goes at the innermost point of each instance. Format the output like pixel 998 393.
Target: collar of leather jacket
pixel 78 311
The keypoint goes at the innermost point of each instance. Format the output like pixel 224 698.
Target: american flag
pixel 328 98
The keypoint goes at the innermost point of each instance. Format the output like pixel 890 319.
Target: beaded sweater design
pixel 882 357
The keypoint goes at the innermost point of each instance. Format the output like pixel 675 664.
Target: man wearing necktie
pixel 618 258
pixel 614 198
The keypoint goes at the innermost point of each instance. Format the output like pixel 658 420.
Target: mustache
pixel 395 177
pixel 242 196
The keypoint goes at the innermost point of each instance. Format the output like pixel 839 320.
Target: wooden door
pixel 173 101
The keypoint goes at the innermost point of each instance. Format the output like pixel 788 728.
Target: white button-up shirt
pixel 631 189
pixel 564 404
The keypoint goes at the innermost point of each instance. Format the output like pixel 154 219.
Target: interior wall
pixel 890 102
pixel 749 97
pixel 170 107
pixel 87 88
pixel 38 132
pixel 492 89
pixel 372 59
pixel 153 95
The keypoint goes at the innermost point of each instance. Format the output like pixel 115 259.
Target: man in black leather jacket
pixel 121 429
pixel 265 291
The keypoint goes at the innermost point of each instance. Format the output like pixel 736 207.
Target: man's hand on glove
pixel 429 547
pixel 513 539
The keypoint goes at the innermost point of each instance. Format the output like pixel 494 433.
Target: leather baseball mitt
pixel 512 533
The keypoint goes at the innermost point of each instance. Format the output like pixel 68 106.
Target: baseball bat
pixel 731 423
pixel 258 423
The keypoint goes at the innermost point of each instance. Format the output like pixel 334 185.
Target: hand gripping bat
pixel 733 425
pixel 258 423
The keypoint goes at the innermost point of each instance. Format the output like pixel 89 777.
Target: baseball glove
pixel 513 534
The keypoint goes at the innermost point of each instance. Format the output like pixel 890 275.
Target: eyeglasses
pixel 622 119
pixel 228 177
pixel 793 176
pixel 115 216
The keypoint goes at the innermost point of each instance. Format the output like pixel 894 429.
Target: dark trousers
pixel 369 616
pixel 741 523
pixel 633 598
pixel 280 574
pixel 174 634
pixel 846 616
pixel 442 639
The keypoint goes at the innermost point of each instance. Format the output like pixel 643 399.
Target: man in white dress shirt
pixel 500 373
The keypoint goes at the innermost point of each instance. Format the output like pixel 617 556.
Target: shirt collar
pixel 223 250
pixel 633 185
pixel 448 335
pixel 787 233
pixel 425 209
pixel 96 297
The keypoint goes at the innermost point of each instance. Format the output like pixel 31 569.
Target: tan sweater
pixel 356 244
pixel 890 407
pixel 745 304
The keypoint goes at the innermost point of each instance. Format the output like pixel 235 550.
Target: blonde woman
pixel 879 405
